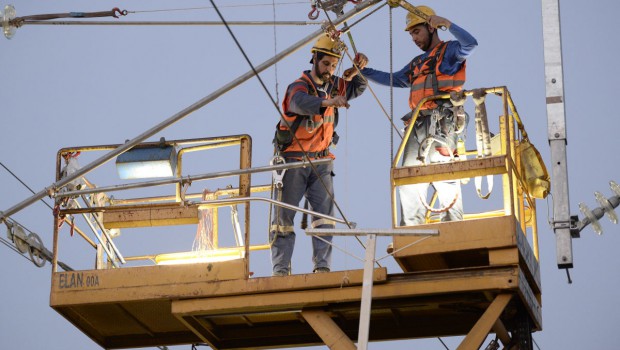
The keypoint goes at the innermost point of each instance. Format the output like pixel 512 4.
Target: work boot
pixel 321 270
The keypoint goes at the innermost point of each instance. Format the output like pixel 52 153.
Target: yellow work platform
pixel 214 302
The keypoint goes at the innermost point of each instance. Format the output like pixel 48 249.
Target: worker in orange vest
pixel 310 112
pixel 439 70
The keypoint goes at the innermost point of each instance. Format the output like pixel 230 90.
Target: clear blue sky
pixel 88 85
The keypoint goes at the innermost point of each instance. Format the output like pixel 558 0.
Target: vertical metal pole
pixel 556 131
pixel 245 187
pixel 369 263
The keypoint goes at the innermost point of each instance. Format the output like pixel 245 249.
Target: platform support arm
pixel 481 329
pixel 328 330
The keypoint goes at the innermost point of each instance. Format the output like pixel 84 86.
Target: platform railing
pixel 505 160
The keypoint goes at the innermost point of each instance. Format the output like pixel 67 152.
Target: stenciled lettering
pixel 77 280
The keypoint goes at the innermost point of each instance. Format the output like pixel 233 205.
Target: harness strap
pixel 320 154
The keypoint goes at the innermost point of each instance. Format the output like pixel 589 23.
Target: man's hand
pixel 438 22
pixel 360 61
pixel 338 101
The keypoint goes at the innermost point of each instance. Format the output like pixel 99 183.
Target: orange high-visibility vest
pixel 426 79
pixel 315 136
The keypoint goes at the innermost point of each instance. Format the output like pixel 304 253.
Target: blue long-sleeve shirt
pixel 456 53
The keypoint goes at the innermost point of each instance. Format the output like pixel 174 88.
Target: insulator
pixel 606 205
pixel 615 187
pixel 7 16
pixel 593 220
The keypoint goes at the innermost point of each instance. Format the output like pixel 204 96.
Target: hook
pixel 314 13
pixel 116 12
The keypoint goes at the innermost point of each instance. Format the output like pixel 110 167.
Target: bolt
pixel 553 80
pixel 557 134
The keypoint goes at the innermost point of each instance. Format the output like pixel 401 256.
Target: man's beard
pixel 325 76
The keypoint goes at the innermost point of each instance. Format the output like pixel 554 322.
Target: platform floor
pixel 450 283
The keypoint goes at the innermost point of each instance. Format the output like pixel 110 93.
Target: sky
pixel 91 85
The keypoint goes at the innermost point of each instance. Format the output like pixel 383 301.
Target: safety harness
pixel 284 135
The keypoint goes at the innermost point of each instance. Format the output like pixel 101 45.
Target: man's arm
pixel 303 103
pixel 400 78
pixel 466 42
pixel 355 87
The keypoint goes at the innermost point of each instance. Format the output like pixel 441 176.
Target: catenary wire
pixel 222 6
pixel 23 183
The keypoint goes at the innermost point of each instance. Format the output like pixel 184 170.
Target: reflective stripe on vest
pixel 425 71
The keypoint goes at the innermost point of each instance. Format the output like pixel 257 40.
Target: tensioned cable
pixel 15 222
pixel 275 51
pixel 347 29
pixel 168 23
pixel 23 183
pixel 391 90
pixel 331 195
pixel 222 6
pixel 8 244
pixel 360 73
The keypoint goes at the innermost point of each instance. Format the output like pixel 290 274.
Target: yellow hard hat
pixel 414 20
pixel 327 46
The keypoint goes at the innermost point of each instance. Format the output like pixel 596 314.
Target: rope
pixel 347 29
pixel 275 51
pixel 360 73
pixel 374 95
pixel 391 90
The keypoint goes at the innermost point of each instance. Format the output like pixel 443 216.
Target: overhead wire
pixel 359 72
pixel 391 89
pixel 346 30
pixel 23 183
pixel 15 222
pixel 314 169
pixel 221 6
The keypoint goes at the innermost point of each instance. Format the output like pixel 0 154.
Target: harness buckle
pixel 278 175
pixel 310 126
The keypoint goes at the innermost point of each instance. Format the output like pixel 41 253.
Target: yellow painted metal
pixel 476 336
pixel 145 216
pixel 218 193
pixel 328 330
pixel 220 251
pixel 158 211
pixel 449 171
pixel 487 254
pixel 504 161
pixel 245 161
pixel 140 283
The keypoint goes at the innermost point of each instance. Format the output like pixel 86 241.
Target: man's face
pixel 326 67
pixel 421 36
